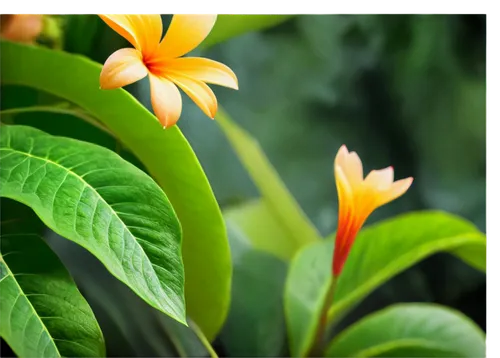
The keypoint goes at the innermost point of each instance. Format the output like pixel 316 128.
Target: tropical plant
pixel 113 242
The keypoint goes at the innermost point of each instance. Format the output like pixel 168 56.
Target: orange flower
pixel 162 62
pixel 358 198
pixel 21 28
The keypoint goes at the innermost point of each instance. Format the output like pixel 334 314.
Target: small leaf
pixel 269 235
pixel 256 325
pixel 228 26
pixel 43 313
pixel 380 252
pixel 411 330
pixel 167 156
pixel 276 199
pixel 93 197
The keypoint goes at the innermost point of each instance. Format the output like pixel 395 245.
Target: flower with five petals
pixel 358 198
pixel 162 61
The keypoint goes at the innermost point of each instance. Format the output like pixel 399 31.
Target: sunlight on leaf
pixel 134 232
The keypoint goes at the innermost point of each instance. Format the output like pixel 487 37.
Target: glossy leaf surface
pixel 43 313
pixel 93 197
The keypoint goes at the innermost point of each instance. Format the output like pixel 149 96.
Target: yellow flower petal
pixel 202 69
pixel 142 31
pixel 184 34
pixel 397 189
pixel 122 68
pixel 199 92
pixel 21 28
pixel 166 100
pixel 351 166
pixel 379 180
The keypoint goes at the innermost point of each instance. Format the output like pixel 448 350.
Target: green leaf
pixel 255 326
pixel 305 290
pixel 276 199
pixel 380 252
pixel 93 197
pixel 411 330
pixel 269 235
pixel 228 26
pixel 167 156
pixel 43 313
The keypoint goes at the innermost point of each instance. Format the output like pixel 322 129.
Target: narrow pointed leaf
pixel 43 313
pixel 380 252
pixel 167 156
pixel 93 197
pixel 276 199
pixel 411 330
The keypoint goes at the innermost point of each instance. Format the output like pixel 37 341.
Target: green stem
pixel 319 336
pixel 203 339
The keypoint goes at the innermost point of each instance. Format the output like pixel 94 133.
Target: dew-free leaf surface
pixel 90 195
pixel 380 252
pixel 42 312
pixel 167 156
pixel 411 330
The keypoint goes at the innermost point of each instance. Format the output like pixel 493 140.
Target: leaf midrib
pixel 44 159
pixel 9 273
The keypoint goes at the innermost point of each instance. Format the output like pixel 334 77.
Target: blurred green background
pixel 401 90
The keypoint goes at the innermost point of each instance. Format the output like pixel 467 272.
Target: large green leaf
pixel 380 252
pixel 411 330
pixel 277 200
pixel 255 326
pixel 43 313
pixel 228 26
pixel 255 218
pixel 93 197
pixel 165 153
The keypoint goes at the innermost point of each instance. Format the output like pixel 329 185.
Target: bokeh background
pixel 401 90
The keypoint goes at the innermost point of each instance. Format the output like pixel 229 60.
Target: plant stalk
pixel 319 337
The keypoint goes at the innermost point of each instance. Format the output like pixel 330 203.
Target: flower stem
pixel 319 336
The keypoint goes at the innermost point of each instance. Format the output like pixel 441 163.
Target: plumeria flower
pixel 21 28
pixel 162 61
pixel 358 198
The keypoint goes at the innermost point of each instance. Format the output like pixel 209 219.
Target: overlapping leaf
pixel 43 313
pixel 379 253
pixel 411 330
pixel 93 197
pixel 165 153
